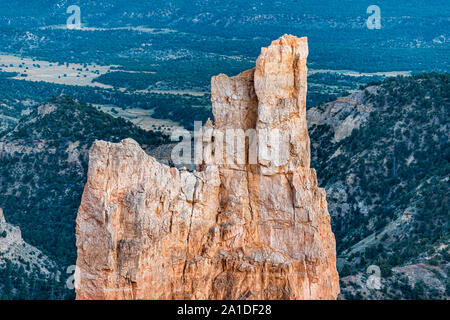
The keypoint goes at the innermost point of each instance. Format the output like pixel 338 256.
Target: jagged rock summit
pixel 231 230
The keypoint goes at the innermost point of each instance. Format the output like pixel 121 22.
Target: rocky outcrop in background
pixel 227 231
pixel 15 250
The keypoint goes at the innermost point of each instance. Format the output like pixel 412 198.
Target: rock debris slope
pixel 15 250
pixel 231 230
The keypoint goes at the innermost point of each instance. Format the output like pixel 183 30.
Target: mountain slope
pixel 383 156
pixel 43 165
pixel 24 270
pixel 381 153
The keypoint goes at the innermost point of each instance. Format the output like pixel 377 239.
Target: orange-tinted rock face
pixel 257 229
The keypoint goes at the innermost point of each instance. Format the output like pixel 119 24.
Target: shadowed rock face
pixel 228 231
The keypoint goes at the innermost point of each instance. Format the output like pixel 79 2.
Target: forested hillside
pixel 383 156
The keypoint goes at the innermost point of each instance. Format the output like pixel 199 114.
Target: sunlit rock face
pixel 257 229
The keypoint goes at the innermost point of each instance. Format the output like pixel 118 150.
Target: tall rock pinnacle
pixel 252 229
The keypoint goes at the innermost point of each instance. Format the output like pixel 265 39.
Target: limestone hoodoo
pixel 252 229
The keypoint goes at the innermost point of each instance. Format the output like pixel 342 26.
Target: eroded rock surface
pixel 253 230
